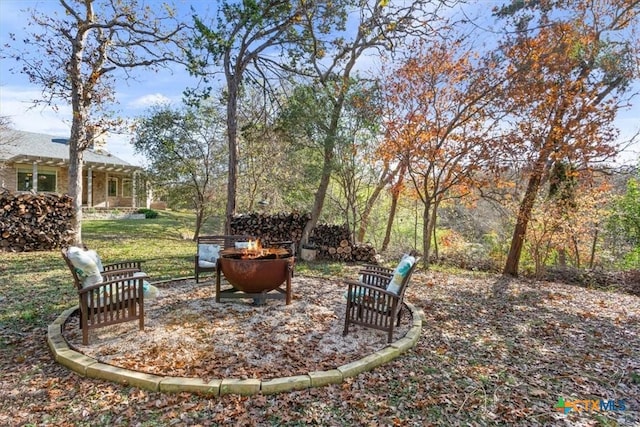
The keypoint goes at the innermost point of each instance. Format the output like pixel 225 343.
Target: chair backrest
pixel 74 272
pixel 224 241
pixel 405 280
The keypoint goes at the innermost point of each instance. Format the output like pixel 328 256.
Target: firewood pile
pixel 333 241
pixel 34 222
pixel 271 228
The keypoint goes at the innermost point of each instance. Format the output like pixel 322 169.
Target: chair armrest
pixel 375 278
pixel 365 289
pixel 127 281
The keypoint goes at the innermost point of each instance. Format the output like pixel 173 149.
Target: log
pixel 35 222
pixel 333 241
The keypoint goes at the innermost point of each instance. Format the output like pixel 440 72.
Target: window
pixel 25 181
pixel 46 180
pixel 112 190
pixel 127 188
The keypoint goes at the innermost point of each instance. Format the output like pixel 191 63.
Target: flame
pixel 254 246
pixel 253 250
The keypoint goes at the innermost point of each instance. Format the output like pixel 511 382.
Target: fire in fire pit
pixel 255 272
pixel 254 250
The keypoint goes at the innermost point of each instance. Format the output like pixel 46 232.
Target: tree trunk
pixel 80 102
pixel 232 134
pixel 386 178
pixel 577 251
pixel 318 202
pixel 427 228
pixel 199 220
pixel 594 242
pixel 524 214
pixel 75 189
pixel 562 257
pixel 327 168
pixel 395 195
pixel 434 216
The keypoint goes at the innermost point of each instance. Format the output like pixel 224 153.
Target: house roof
pixel 29 147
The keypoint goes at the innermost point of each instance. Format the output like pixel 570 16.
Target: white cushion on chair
pixel 85 266
pixel 206 264
pixel 149 290
pixel 400 273
pixel 208 254
pixel 93 254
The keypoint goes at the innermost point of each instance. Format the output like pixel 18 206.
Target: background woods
pixel 410 126
pixel 488 139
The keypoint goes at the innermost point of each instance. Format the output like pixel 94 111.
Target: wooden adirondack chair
pixel 373 303
pixel 208 248
pixel 117 297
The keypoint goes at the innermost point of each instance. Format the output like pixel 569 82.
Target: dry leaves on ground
pixel 492 352
pixel 188 334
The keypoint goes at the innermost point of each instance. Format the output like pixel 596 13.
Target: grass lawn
pixel 492 352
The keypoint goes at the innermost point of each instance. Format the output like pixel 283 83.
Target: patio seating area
pixel 191 337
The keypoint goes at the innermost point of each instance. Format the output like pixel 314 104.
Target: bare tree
pixel 239 41
pixel 74 54
pixel 7 137
pixel 333 54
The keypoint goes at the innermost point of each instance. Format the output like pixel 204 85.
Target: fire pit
pixel 254 272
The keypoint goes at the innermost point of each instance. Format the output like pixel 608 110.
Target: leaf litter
pixel 188 334
pixel 492 352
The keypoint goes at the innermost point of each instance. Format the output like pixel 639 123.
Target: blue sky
pixel 135 97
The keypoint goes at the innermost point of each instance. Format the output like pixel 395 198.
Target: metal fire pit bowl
pixel 255 276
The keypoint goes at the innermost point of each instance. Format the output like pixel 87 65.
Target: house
pixel 40 163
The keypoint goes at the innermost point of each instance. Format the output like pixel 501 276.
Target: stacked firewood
pixel 34 222
pixel 364 252
pixel 271 228
pixel 332 241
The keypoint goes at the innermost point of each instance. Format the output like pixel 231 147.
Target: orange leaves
pixel 434 105
pixel 562 97
pixel 562 83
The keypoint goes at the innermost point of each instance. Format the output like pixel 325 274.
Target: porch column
pixel 90 186
pixel 134 185
pixel 106 189
pixel 34 178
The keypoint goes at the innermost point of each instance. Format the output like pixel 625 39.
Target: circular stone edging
pixel 90 367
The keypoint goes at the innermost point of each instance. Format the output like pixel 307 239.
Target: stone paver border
pixel 89 367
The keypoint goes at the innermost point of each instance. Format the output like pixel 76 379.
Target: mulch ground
pixel 492 352
pixel 188 334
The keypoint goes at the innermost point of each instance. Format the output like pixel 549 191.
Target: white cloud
pixel 147 101
pixel 16 103
pixel 25 117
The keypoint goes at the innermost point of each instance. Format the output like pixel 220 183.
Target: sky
pixel 136 97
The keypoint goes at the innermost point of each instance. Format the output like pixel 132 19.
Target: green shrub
pixel 148 213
